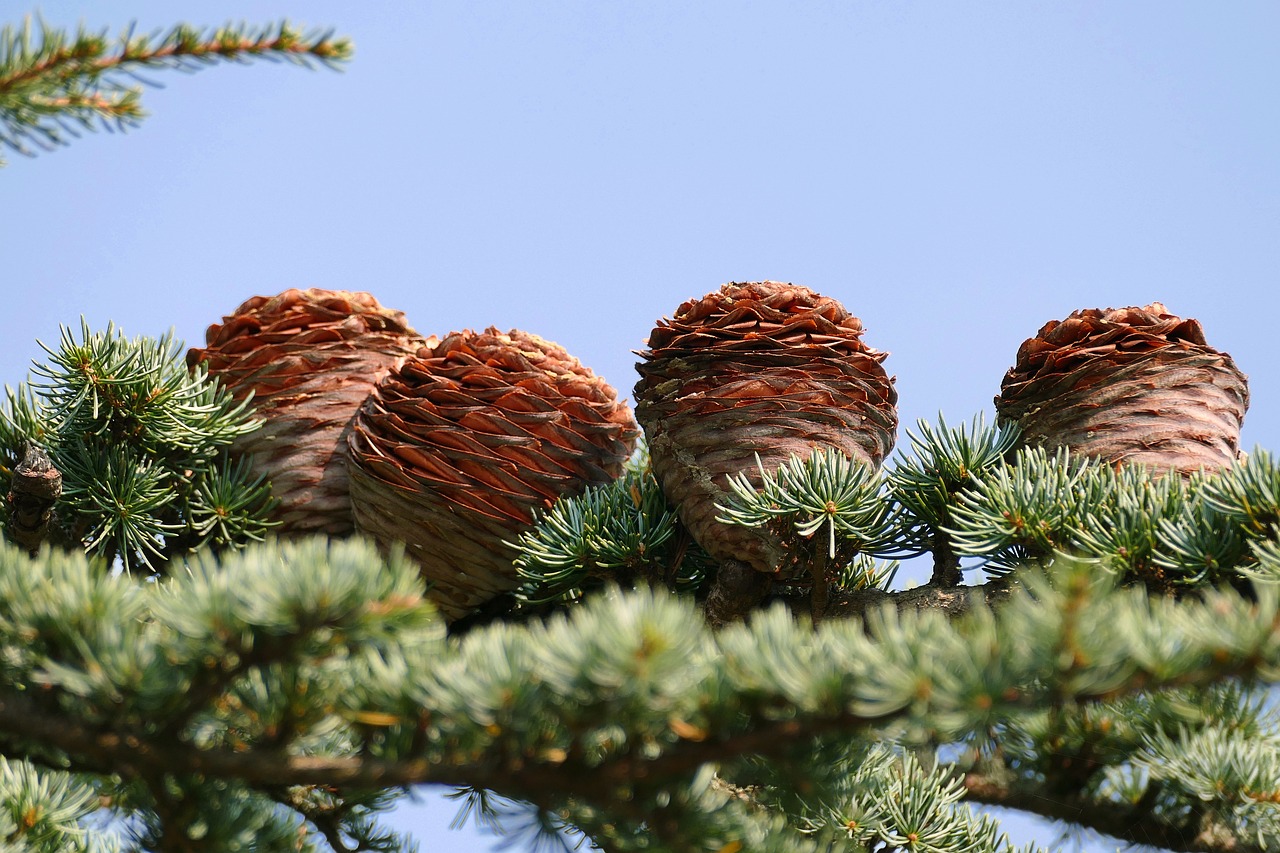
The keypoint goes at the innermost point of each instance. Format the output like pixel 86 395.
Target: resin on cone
pixel 761 370
pixel 310 358
pixel 458 449
pixel 1129 386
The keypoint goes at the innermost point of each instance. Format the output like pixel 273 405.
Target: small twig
pixel 954 601
pixel 35 489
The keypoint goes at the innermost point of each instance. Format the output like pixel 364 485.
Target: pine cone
pixel 1128 385
pixel 459 448
pixel 310 357
pixel 767 369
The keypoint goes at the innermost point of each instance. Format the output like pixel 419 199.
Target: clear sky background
pixel 957 174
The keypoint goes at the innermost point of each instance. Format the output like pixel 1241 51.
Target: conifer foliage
pixel 142 447
pixel 1108 667
pixel 54 85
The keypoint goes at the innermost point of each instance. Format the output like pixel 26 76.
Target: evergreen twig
pixel 53 84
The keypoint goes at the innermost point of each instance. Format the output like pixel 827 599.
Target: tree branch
pixel 954 601
pixel 1127 823
pixel 139 753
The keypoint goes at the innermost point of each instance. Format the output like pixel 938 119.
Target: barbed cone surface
pixel 310 358
pixel 1129 386
pixel 456 451
pixel 756 370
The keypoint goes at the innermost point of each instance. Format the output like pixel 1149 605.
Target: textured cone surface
pixel 309 357
pixel 1128 385
pixel 759 369
pixel 459 448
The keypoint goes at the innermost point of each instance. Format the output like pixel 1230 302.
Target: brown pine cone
pixel 310 357
pixel 456 451
pixel 1128 385
pixel 761 369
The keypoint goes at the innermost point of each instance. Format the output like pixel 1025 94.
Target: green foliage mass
pixel 291 687
pixel 143 447
pixel 622 532
pixel 258 651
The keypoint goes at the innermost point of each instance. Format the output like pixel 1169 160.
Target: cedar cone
pixel 1128 385
pixel 310 357
pixel 761 369
pixel 459 448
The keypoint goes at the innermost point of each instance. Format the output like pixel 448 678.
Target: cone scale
pixel 1128 386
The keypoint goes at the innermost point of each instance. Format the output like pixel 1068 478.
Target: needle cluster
pixel 142 446
pixel 623 532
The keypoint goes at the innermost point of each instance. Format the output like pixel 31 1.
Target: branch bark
pixel 954 601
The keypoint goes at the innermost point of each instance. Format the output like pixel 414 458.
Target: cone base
pixel 1169 410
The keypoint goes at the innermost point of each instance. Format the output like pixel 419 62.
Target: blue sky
pixel 956 173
